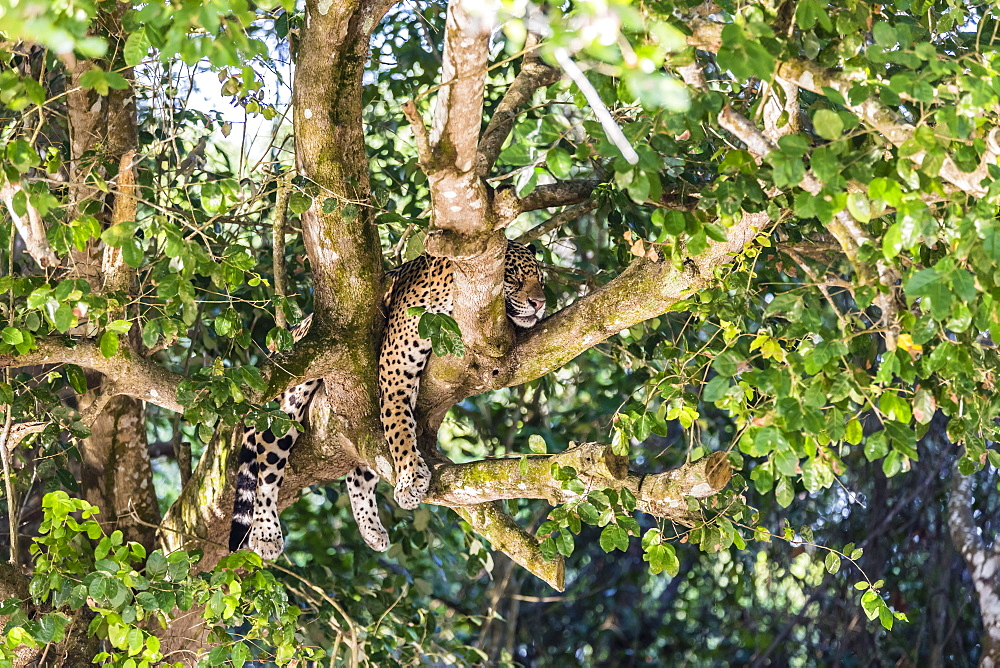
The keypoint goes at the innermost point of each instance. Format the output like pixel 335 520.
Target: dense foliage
pixel 845 359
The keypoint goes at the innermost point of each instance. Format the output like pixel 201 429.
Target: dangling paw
pixel 412 485
pixel 361 482
pixel 268 545
pixel 375 535
pixel 265 536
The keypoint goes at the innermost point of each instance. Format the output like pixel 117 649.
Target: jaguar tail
pixel 246 493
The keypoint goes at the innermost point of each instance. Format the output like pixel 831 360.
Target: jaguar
pixel 426 282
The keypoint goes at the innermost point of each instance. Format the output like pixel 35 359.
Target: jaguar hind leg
pixel 361 483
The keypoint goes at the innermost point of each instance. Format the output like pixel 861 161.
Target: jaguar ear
pixel 536 248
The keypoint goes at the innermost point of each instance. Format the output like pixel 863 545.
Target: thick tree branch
pixel 346 262
pixel 424 157
pixel 981 560
pixel 472 490
pixel 661 495
pixel 458 110
pixel 534 74
pixel 555 222
pixel 560 193
pixel 507 206
pixel 492 522
pixel 342 242
pixel 115 272
pixel 887 122
pixel 644 290
pixel 782 101
pixel 280 216
pixel 707 36
pixel 131 374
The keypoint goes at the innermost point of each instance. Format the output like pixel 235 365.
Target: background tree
pixel 769 239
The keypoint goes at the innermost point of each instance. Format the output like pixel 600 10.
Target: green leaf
pixel 132 253
pixel 727 363
pixel 662 558
pixel 612 537
pixel 23 156
pixel 240 652
pixel 853 432
pixel 559 163
pixel 548 549
pixel 118 635
pixel 784 492
pixel 892 241
pixel 564 543
pixel 885 616
pixel 102 81
pixel 118 235
pixel 156 565
pixel 218 655
pixel 109 344
pixel 136 47
pixel 299 202
pixel 828 124
pixel 11 335
pixel 859 206
pixel 832 562
pixel 876 446
pixel 743 55
pixel 787 462
pixel 443 332
pixel 119 326
pixel 537 444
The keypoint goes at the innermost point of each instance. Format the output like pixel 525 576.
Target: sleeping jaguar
pixel 425 282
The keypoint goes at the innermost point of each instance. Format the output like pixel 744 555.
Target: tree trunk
pixel 982 562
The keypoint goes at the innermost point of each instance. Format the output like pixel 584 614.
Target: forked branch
pixel 484 483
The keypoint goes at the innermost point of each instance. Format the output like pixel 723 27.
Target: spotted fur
pixel 428 282
pixel 261 471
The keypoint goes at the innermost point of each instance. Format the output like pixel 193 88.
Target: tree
pixel 768 230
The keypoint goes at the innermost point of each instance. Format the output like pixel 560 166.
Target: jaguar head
pixel 523 291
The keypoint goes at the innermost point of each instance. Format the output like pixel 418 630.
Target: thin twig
pixel 8 486
pixel 798 259
pixel 351 624
pixel 278 243
pixel 555 222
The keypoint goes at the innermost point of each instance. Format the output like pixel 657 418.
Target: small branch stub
pixel 419 135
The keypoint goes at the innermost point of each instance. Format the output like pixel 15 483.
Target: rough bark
pixel 534 74
pixel 126 372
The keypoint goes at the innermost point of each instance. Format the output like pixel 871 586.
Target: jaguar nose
pixel 536 304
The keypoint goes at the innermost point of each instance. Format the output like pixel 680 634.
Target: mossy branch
pixel 646 289
pixel 474 489
pixel 530 477
pixel 130 373
pixel 492 522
